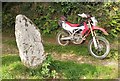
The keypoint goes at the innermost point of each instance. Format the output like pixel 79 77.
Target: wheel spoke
pixel 102 47
pixel 62 35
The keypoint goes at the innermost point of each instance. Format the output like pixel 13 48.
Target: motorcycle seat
pixel 72 25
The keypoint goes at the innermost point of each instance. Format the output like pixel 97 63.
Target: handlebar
pixel 83 15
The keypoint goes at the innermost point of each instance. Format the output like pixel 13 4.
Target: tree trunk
pixel 29 42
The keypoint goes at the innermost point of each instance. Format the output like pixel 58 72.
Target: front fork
pixel 93 35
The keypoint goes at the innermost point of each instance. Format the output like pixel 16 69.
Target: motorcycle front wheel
pixel 60 35
pixel 102 50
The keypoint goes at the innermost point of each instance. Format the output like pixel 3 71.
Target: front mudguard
pixel 101 29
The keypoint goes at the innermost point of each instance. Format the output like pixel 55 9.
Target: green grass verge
pixel 12 68
pixel 73 70
pixel 49 47
pixel 10 44
pixel 70 49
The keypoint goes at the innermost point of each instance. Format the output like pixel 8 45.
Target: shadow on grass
pixel 9 59
pixel 10 42
pixel 73 70
pixel 13 68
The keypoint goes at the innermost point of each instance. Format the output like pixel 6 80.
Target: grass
pixel 71 70
pixel 9 42
pixel 10 46
pixel 12 68
pixel 15 69
pixel 70 49
pixel 49 47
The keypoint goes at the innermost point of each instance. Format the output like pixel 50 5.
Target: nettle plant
pixel 47 70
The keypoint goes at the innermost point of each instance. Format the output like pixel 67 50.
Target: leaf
pixel 118 28
pixel 114 21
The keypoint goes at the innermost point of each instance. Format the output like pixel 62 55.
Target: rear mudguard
pixel 101 29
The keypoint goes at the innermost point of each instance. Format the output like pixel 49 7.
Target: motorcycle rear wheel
pixel 60 35
pixel 103 48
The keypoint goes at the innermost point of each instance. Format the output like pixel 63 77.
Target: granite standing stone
pixel 29 42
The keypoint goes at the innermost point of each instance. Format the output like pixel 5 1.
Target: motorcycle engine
pixel 77 38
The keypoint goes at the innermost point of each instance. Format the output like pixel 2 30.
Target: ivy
pixel 46 15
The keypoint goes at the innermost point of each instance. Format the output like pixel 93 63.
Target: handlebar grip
pixel 83 15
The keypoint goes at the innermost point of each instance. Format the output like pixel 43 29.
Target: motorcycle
pixel 98 46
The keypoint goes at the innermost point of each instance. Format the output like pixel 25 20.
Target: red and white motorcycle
pixel 98 46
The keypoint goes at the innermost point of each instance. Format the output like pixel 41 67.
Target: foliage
pixel 114 54
pixel 0 16
pixel 46 15
pixel 115 24
pixel 113 18
pixel 46 70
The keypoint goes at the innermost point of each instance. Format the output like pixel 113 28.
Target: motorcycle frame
pixel 86 29
pixel 90 29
